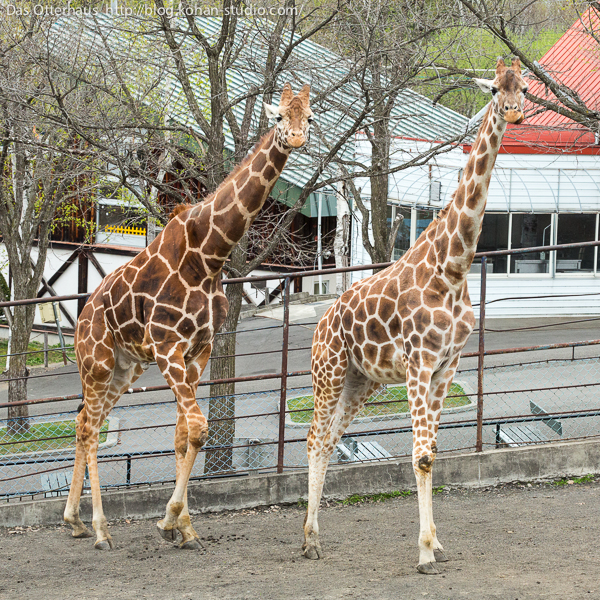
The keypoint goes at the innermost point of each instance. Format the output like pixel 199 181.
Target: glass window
pixel 424 217
pixel 402 241
pixel 573 229
pixel 494 236
pixel 120 219
pixel 530 230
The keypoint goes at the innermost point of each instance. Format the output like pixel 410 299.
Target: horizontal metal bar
pixel 304 373
pixel 532 348
pixel 279 276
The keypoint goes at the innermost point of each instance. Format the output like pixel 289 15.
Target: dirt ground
pixel 512 542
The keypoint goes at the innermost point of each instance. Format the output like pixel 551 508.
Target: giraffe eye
pixel 494 90
pixel 310 120
pixel 525 90
pixel 279 118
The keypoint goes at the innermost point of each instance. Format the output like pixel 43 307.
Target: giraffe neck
pixel 460 226
pixel 238 200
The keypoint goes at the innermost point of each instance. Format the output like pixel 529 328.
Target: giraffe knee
pixel 424 463
pixel 198 434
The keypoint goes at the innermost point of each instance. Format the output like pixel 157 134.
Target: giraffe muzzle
pixel 514 116
pixel 296 141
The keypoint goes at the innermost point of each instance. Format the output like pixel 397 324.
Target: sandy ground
pixel 506 543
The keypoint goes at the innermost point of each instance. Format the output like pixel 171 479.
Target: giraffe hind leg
pixel 71 514
pixel 329 424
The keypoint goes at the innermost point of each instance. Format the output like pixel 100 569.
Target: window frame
pixel 552 266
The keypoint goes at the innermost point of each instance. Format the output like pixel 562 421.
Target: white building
pixel 545 190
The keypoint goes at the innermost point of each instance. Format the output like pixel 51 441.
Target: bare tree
pixel 41 168
pixel 505 18
pixel 393 44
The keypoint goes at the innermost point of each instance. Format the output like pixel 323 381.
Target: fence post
pixel 284 371
pixel 46 349
pixel 82 279
pixel 479 442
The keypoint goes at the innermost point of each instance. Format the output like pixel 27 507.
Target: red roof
pixel 573 61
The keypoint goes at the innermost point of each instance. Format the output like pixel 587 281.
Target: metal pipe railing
pixel 281 442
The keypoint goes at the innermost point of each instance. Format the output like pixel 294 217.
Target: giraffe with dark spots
pixel 421 344
pixel 166 305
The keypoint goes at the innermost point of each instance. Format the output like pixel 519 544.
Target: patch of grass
pixel 54 356
pixel 396 398
pixel 574 480
pixel 43 436
pixel 438 490
pixel 359 499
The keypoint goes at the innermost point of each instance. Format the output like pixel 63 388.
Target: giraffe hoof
pixel 428 569
pixel 191 545
pixel 85 533
pixel 170 535
pixel 440 556
pixel 313 552
pixel 104 545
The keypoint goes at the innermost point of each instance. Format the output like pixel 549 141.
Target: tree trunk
pixel 341 242
pixel 18 416
pixel 222 395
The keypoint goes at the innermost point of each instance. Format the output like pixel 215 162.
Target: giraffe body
pixel 408 324
pixel 166 305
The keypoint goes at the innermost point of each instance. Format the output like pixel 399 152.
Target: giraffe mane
pixel 243 164
pixel 179 208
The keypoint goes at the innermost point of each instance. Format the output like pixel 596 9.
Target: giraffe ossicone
pixel 166 305
pixel 408 324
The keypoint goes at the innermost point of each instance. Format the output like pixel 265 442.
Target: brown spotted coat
pixel 166 305
pixel 408 324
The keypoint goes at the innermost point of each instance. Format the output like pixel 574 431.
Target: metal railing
pixel 493 404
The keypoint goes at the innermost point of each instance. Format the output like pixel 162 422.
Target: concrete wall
pixel 549 461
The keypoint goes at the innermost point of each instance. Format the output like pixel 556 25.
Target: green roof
pixel 414 115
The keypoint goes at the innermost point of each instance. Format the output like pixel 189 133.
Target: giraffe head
pixel 508 91
pixel 293 116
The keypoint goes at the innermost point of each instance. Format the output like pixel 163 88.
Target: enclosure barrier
pixel 494 403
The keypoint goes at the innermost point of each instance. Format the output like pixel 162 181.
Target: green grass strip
pixel 54 356
pixel 396 398
pixel 56 435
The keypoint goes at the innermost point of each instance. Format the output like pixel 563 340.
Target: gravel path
pixel 505 543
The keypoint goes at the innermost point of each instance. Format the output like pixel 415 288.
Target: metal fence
pixel 509 397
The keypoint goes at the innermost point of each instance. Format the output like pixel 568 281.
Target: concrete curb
pixel 472 470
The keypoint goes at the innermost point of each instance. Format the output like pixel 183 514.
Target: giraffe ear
pixel 287 95
pixel 271 111
pixel 485 85
pixel 304 94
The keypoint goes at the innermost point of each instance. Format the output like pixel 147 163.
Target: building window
pixel 531 230
pixel 571 230
pixel 121 223
pixel 424 217
pixel 494 236
pixel 402 241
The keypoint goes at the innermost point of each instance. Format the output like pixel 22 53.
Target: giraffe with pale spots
pixel 166 305
pixel 408 324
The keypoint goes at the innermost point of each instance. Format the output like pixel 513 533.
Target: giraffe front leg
pixel 418 383
pixel 427 557
pixel 190 539
pixel 438 390
pixel 190 435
